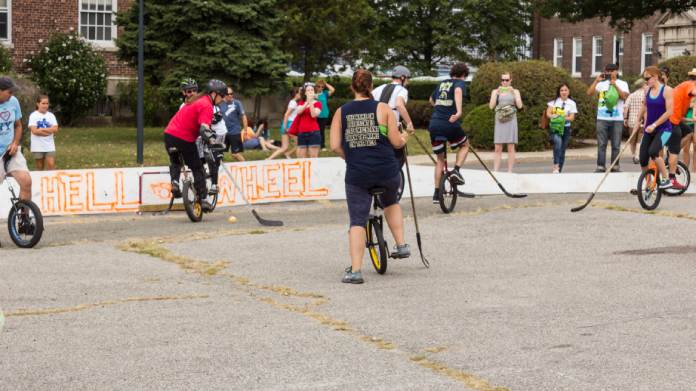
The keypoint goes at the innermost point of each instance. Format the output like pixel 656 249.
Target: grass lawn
pixel 106 147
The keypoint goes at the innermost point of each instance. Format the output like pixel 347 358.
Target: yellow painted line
pixel 82 307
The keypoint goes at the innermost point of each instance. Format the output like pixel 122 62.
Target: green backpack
pixel 611 98
pixel 557 125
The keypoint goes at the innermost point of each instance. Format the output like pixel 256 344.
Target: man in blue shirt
pixel 235 117
pixel 12 162
pixel 444 124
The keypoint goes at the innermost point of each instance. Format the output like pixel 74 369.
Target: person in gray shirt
pixel 235 117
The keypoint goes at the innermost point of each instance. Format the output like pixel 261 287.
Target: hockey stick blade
pixel 511 195
pixel 465 195
pixel 426 263
pixel 267 223
pixel 583 206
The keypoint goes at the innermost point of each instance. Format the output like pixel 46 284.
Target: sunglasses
pixel 504 79
pixel 190 91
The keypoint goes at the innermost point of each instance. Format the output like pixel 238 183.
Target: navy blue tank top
pixel 443 96
pixel 369 154
pixel 656 107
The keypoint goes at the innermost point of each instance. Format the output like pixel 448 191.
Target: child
pixel 43 125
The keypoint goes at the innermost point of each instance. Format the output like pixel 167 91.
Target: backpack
pixel 611 98
pixel 387 92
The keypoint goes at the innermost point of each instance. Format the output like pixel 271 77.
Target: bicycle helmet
pixel 400 71
pixel 215 85
pixel 189 84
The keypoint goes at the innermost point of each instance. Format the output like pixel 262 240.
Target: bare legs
pixel 499 155
pixel 357 235
pixel 23 178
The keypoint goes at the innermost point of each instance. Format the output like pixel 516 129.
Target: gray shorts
pixel 43 155
pixel 16 163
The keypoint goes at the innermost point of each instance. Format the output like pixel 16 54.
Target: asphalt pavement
pixel 522 295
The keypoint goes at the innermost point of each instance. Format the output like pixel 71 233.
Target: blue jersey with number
pixel 443 96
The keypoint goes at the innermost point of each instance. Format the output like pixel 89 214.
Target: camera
pixel 606 76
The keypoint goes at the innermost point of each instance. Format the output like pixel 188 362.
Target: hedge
pixel 679 67
pixel 5 60
pixel 419 110
pixel 537 82
pixel 417 89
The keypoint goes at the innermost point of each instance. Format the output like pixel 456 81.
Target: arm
pixel 301 109
pixel 641 117
pixel 593 87
pixel 458 96
pixel 549 111
pixel 314 111
pixel 245 122
pixel 627 110
pixel 385 114
pixel 570 117
pixel 330 88
pixel 432 102
pixel 494 99
pixel 41 132
pixel 14 146
pixel 401 107
pixel 518 99
pixel 259 129
pixel 335 135
pixel 285 117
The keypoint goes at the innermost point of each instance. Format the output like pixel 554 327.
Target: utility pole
pixel 141 82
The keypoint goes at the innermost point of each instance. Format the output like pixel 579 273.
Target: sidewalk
pixel 583 153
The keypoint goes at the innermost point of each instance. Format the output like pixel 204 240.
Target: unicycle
pixel 649 194
pixel 190 199
pixel 25 221
pixel 447 189
pixel 377 246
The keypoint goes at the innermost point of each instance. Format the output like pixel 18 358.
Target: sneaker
pixel 206 206
pixel 436 196
pixel 600 169
pixel 665 184
pixel 456 178
pixel 634 191
pixel 213 190
pixel 636 160
pixel 401 251
pixel 25 225
pixel 351 277
pixel 676 185
pixel 556 171
pixel 176 189
pixel 616 169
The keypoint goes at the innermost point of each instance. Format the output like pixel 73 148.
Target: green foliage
pixel 679 67
pixel 537 82
pixel 621 13
pixel 71 73
pixel 417 89
pixel 5 60
pixel 237 42
pixel 318 33
pixel 157 111
pixel 420 33
pixel 479 125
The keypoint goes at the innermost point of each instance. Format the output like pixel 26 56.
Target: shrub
pixel 537 82
pixel 479 124
pixel 5 60
pixel 417 89
pixel 157 112
pixel 679 67
pixel 71 73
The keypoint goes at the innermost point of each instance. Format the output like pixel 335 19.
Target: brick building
pixel 26 24
pixel 584 48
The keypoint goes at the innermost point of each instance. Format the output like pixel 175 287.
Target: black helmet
pixel 189 84
pixel 215 85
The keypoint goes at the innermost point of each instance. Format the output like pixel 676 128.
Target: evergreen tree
pixel 235 41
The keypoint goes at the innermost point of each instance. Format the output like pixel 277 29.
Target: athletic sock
pixel 456 168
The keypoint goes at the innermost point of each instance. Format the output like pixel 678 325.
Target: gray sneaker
pixel 401 251
pixel 352 277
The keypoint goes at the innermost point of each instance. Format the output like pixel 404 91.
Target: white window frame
pixel 577 53
pixel 642 49
pixel 594 54
pixel 8 40
pixel 99 43
pixel 557 60
pixel 618 57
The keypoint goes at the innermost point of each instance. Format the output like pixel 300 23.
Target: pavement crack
pixel 663 213
pixel 83 307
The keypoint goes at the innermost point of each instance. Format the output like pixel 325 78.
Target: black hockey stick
pixel 459 193
pixel 511 195
pixel 413 206
pixel 261 220
pixel 606 174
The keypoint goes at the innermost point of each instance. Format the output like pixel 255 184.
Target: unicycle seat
pixel 375 191
pixel 172 150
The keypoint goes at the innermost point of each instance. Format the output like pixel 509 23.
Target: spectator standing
pixel 308 135
pixel 632 108
pixel 687 148
pixel 43 125
pixel 235 120
pixel 561 112
pixel 324 91
pixel 610 104
pixel 290 114
pixel 505 100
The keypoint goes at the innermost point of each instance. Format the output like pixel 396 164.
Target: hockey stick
pixel 606 174
pixel 413 206
pixel 262 221
pixel 511 195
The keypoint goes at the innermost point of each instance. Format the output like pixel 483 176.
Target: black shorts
pixel 233 143
pixel 674 142
pixel 442 132
pixel 686 129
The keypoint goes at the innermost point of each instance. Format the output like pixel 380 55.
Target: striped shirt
pixel 634 103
